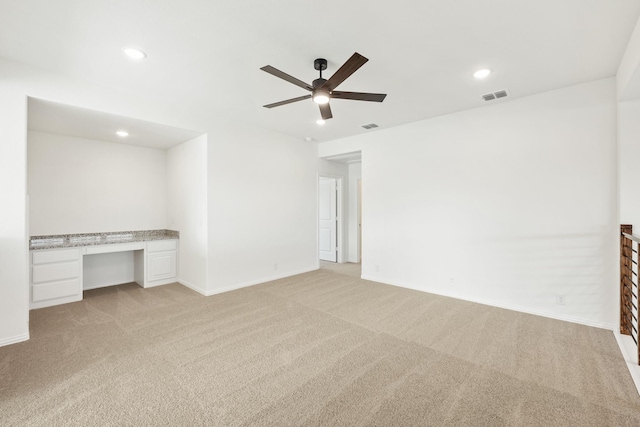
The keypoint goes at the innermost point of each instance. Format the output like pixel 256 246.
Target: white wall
pixel 332 169
pixel 512 205
pixel 100 270
pixel 628 85
pixel 187 209
pixel 262 207
pixel 77 185
pixel 14 276
pixel 629 166
pixel 628 75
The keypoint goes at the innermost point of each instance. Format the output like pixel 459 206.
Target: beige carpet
pixel 322 348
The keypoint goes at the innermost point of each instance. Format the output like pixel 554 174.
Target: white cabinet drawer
pixel 114 247
pixel 52 272
pixel 162 245
pixel 47 291
pixel 57 255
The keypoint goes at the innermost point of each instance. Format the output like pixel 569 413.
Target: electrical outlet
pixel 560 300
pixel 377 267
pixel 275 266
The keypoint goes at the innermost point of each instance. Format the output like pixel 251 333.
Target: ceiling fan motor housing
pixel 317 83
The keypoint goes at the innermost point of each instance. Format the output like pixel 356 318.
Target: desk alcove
pixel 60 274
pixel 101 270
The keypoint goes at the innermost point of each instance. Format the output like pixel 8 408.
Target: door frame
pixel 359 221
pixel 340 215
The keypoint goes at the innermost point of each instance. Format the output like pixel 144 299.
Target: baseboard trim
pixel 629 353
pixel 259 281
pixel 193 287
pixel 14 340
pixel 512 307
pixel 92 287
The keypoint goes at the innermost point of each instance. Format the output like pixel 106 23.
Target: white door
pixel 327 215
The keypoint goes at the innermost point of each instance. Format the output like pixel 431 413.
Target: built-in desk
pixel 56 275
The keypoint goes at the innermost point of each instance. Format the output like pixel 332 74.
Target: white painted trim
pixel 149 284
pixel 160 282
pixel 513 307
pixel 342 221
pixel 193 287
pixel 14 340
pixel 629 352
pixel 258 282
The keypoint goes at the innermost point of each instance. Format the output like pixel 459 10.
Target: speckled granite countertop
pixel 91 239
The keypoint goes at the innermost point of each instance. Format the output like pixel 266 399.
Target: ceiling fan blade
pixel 325 111
pixel 284 76
pixel 351 66
pixel 287 101
pixel 359 96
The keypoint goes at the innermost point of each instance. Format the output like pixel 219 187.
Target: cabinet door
pixel 161 265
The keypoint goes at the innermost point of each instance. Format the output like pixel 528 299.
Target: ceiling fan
pixel 322 90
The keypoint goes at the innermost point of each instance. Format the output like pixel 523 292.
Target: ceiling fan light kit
pixel 322 90
pixel 321 97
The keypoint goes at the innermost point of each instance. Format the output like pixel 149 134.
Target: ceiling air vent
pixel 501 93
pixel 370 126
pixel 495 95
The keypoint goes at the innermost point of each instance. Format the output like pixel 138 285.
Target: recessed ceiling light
pixel 134 53
pixel 320 122
pixel 122 133
pixel 308 138
pixel 481 74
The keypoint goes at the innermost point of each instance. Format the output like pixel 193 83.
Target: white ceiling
pixel 52 117
pixel 204 56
